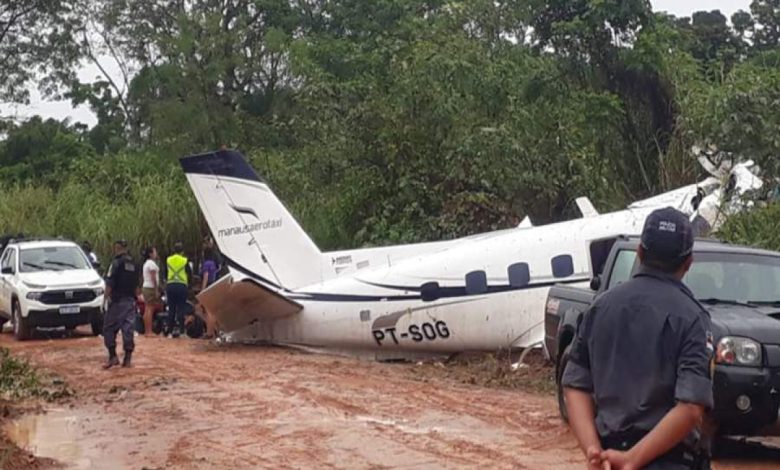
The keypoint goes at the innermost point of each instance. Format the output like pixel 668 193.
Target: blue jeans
pixel 177 300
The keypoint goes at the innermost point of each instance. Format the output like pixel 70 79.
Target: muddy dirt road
pixel 190 404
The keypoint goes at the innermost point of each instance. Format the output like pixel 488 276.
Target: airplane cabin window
pixel 519 274
pixel 430 291
pixel 476 282
pixel 623 267
pixel 562 266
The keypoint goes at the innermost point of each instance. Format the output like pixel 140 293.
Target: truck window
pixel 599 252
pixel 9 259
pixel 734 276
pixel 624 265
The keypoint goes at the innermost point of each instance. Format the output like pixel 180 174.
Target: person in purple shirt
pixel 208 274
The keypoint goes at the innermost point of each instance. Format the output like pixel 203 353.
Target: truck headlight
pixel 34 295
pixel 738 351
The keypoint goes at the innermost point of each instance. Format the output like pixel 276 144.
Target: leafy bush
pixel 759 227
pixel 19 379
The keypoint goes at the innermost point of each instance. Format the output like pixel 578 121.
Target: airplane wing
pixel 680 198
pixel 237 305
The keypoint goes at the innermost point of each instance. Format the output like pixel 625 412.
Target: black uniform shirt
pixel 122 276
pixel 642 347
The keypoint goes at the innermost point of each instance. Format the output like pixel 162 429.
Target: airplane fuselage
pixel 480 293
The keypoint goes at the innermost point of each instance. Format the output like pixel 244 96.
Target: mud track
pixel 190 404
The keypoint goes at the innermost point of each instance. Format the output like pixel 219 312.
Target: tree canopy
pixel 397 120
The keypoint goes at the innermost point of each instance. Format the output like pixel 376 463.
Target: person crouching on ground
pixel 151 287
pixel 121 287
pixel 179 274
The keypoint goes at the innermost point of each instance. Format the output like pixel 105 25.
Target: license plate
pixel 70 309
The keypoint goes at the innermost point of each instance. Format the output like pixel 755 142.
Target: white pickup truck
pixel 49 284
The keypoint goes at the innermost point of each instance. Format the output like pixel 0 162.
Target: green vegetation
pixel 760 227
pixel 18 379
pixel 382 121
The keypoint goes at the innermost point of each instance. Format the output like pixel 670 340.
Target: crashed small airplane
pixel 480 293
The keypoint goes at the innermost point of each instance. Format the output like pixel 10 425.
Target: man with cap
pixel 121 287
pixel 638 379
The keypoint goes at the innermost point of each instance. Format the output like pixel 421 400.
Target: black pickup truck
pixel 739 286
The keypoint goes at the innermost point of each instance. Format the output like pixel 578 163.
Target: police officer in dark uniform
pixel 121 286
pixel 638 379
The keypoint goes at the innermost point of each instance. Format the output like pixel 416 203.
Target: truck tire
pixel 96 323
pixel 564 359
pixel 22 330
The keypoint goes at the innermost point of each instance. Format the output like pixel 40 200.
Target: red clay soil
pixel 191 404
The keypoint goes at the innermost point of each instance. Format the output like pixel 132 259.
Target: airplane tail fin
pixel 256 234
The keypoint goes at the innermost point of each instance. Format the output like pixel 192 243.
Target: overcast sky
pixel 63 109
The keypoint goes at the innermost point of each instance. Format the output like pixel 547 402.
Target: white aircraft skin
pixel 481 293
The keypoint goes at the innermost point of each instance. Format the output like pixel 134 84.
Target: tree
pixel 221 63
pixel 767 23
pixel 36 39
pixel 41 151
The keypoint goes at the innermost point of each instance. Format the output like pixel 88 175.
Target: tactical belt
pixel 681 454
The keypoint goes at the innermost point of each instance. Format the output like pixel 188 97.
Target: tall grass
pixel 151 210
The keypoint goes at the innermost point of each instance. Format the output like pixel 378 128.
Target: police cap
pixel 668 234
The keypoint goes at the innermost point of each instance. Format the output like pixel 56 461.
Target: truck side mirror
pixel 595 282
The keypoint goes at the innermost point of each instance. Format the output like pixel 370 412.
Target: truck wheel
pixel 561 400
pixel 22 330
pixel 96 322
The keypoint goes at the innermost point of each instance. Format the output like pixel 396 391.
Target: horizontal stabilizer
pixel 236 305
pixel 586 207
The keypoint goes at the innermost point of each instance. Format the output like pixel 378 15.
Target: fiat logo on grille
pixel 68 294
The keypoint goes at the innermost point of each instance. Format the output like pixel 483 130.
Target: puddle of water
pixel 52 435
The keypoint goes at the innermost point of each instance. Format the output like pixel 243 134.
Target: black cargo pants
pixel 120 316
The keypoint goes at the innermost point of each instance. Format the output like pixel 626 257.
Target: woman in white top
pixel 151 287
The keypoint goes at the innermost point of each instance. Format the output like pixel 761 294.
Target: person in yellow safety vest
pixel 179 274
